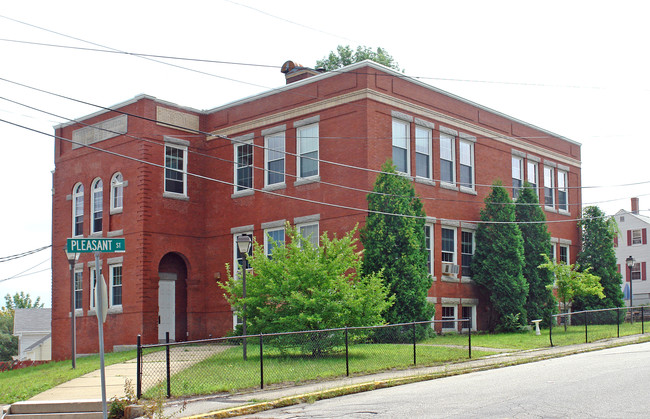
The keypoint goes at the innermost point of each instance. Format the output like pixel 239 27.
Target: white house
pixel 633 241
pixel 33 326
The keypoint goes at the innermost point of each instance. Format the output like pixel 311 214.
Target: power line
pixel 21 255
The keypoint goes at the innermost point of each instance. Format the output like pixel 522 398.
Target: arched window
pixel 96 205
pixel 78 210
pixel 117 192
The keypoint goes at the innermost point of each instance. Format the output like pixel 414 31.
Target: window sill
pixel 115 310
pixel 96 234
pixel 245 192
pixel 466 190
pixel 448 278
pixel 433 278
pixel 306 180
pixel 564 212
pixel 425 181
pixel 550 209
pixel 275 187
pixel 406 175
pixel 450 186
pixel 114 211
pixel 77 313
pixel 174 195
pixel 466 280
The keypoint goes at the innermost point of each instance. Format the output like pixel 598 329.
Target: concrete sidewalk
pixel 228 404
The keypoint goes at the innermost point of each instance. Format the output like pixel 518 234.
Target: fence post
pixel 414 359
pixel 138 378
pixel 550 330
pixel 469 338
pixel 261 362
pixel 169 376
pixel 586 338
pixel 642 325
pixel 347 355
pixel 618 322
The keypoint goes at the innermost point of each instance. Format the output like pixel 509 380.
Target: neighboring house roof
pixel 640 217
pixel 32 320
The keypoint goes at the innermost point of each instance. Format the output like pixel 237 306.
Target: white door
pixel 166 307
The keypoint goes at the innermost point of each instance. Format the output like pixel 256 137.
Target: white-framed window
pixel 468 312
pixel 78 288
pixel 309 233
pixel 447 157
pixel 448 245
pixel 466 163
pixel 562 191
pixel 97 205
pixel 563 254
pixel 448 317
pixel 428 244
pixel 637 237
pixel 244 166
pixel 93 286
pixel 466 252
pixel 549 185
pixel 517 175
pixel 272 238
pixel 78 210
pixel 635 272
pixel 307 150
pixel 532 175
pixel 423 152
pixel 239 256
pixel 117 192
pixel 115 297
pixel 176 169
pixel 401 142
pixel 274 154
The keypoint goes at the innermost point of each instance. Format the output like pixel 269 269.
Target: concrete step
pixel 90 409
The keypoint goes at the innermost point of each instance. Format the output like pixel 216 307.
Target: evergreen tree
pixel 498 261
pixel 395 245
pixel 345 55
pixel 598 254
pixel 540 303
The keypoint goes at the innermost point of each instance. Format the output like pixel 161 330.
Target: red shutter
pixel 629 237
pixel 616 240
pixel 618 268
pixel 643 276
pixel 644 234
pixel 627 274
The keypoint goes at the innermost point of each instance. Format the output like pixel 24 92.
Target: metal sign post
pixel 98 246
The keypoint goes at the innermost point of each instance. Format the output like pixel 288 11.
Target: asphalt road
pixel 610 383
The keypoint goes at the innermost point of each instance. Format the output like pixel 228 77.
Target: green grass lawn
pixel 22 384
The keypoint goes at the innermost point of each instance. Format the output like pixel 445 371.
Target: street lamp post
pixel 72 259
pixel 244 245
pixel 630 264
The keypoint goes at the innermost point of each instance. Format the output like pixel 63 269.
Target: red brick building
pixel 180 184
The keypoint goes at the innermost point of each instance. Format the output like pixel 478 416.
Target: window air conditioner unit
pixel 449 269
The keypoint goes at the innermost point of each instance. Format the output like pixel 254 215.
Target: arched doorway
pixel 172 297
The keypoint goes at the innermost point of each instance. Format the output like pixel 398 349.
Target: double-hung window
pixel 562 191
pixel 422 152
pixel 78 210
pixel 244 166
pixel 275 157
pixel 563 254
pixel 273 238
pixel 517 175
pixel 97 204
pixel 447 152
pixel 401 140
pixel 448 317
pixel 428 244
pixel 635 272
pixel 532 174
pixel 115 297
pixel 466 252
pixel 309 234
pixel 78 289
pixel 636 237
pixel 93 286
pixel 117 192
pixel 307 150
pixel 448 245
pixel 466 162
pixel 549 185
pixel 175 167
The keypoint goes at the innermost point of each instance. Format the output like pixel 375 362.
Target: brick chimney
pixel 294 72
pixel 635 205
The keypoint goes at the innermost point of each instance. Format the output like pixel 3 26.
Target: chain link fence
pixel 255 361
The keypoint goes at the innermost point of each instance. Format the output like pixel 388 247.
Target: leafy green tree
pixel 394 244
pixel 572 283
pixel 21 300
pixel 498 261
pixel 598 255
pixel 345 55
pixel 306 287
pixel 540 303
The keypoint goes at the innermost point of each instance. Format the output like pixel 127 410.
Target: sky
pixel 578 69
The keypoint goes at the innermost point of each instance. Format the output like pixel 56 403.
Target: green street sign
pixel 95 245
